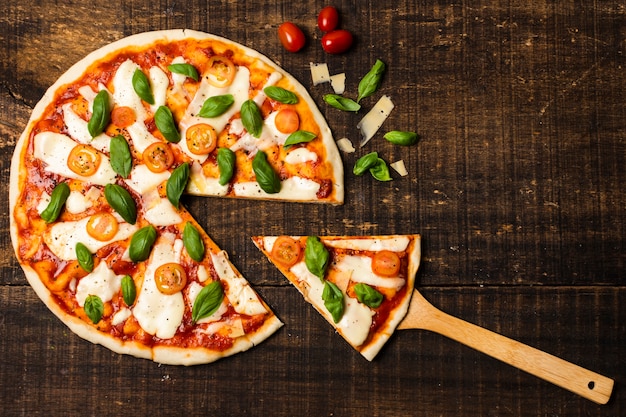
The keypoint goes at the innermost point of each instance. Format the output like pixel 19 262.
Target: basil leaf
pixel 193 242
pixel 364 163
pixel 281 95
pixel 300 136
pixel 57 199
pixel 164 120
pixel 398 137
pixel 129 290
pixel 370 82
pixel 380 171
pixel 121 201
pixel 342 103
pixel 368 295
pixel 84 256
pixel 94 308
pixel 121 158
pixel 176 183
pixel 251 118
pixel 333 300
pixel 142 87
pixel 141 243
pixel 184 69
pixel 207 302
pixel 266 177
pixel 216 105
pixel 101 114
pixel 226 160
pixel 316 256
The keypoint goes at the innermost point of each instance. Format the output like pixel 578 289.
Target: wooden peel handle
pixel 581 381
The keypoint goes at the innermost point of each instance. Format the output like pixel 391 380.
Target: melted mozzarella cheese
pixel 360 269
pixel 62 237
pixel 395 244
pixel 199 184
pixel 102 282
pixel 178 79
pixel 374 119
pixel 157 313
pixel 161 212
pixel 300 156
pixel 159 83
pixel 54 149
pixel 142 180
pixel 239 293
pixel 121 316
pixel 192 293
pixel 294 188
pixel 77 128
pixel 77 202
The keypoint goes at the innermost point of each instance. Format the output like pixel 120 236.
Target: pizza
pixel 97 177
pixel 361 285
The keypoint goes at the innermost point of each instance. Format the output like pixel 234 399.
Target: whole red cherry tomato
pixel 291 37
pixel 328 19
pixel 337 41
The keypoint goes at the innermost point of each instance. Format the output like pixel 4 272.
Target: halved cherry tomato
pixel 84 160
pixel 170 278
pixel 102 226
pixel 386 263
pixel 123 116
pixel 220 71
pixel 286 251
pixel 291 36
pixel 287 121
pixel 201 139
pixel 337 41
pixel 158 157
pixel 328 19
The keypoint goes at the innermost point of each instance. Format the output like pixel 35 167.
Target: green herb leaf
pixel 368 295
pixel 84 256
pixel 251 118
pixel 333 300
pixel 101 114
pixel 129 290
pixel 141 243
pixel 142 87
pixel 281 95
pixel 226 161
pixel 316 256
pixel 208 301
pixel 193 242
pixel 121 158
pixel 121 201
pixel 370 82
pixel 342 103
pixel 398 137
pixel 184 69
pixel 216 105
pixel 164 120
pixel 94 308
pixel 57 199
pixel 176 183
pixel 380 171
pixel 364 163
pixel 266 177
pixel 300 136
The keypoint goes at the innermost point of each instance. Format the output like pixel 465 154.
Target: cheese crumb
pixel 345 145
pixel 338 82
pixel 399 167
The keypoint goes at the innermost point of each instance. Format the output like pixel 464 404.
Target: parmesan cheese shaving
pixel 319 73
pixel 345 145
pixel 338 82
pixel 399 167
pixel 374 119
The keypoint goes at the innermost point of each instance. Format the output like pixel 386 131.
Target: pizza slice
pixel 361 285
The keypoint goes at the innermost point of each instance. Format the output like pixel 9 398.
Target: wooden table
pixel 517 187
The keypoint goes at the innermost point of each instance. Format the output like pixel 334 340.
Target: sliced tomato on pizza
pixel 361 285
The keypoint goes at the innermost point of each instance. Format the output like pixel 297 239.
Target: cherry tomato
pixel 123 116
pixel 221 71
pixel 291 37
pixel 158 157
pixel 102 226
pixel 287 121
pixel 286 251
pixel 201 139
pixel 328 19
pixel 386 263
pixel 83 160
pixel 170 278
pixel 337 41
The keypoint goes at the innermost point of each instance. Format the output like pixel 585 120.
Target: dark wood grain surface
pixel 517 187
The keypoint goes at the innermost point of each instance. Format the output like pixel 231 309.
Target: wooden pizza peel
pixel 581 381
